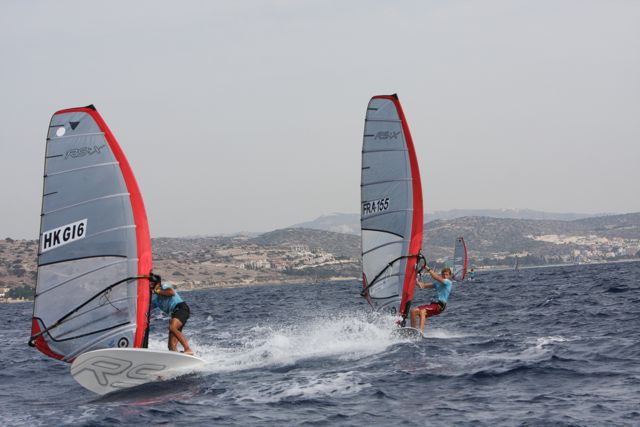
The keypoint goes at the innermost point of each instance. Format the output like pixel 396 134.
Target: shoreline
pixel 182 288
pixel 529 267
pixel 14 301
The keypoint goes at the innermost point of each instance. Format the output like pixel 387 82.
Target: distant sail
pixel 391 208
pixel 95 250
pixel 460 260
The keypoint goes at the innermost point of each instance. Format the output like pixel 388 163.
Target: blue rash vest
pixel 166 304
pixel 443 289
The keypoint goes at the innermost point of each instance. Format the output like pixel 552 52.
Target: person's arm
pixel 423 285
pixel 433 275
pixel 165 292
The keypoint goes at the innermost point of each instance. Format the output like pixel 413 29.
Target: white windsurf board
pixel 106 370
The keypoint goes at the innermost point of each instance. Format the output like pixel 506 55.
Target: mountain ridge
pixel 350 222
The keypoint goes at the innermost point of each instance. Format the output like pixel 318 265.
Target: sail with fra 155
pixel 391 208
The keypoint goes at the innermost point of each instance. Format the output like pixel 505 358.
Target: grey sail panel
pixel 386 205
pixel 87 289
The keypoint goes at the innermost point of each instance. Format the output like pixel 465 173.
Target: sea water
pixel 544 346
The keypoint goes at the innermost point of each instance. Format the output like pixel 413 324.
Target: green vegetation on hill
pixel 25 292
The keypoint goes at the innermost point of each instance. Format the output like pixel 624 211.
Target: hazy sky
pixel 248 115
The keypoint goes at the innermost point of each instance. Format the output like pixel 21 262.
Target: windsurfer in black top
pixel 168 301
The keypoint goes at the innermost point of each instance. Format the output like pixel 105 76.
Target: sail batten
pixel 84 202
pixel 80 168
pixel 384 182
pixel 95 251
pixel 391 207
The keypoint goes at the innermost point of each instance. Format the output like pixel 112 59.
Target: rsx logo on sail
pixel 387 134
pixel 375 206
pixel 62 235
pixel 83 151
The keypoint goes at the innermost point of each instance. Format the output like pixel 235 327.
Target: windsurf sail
pixel 92 288
pixel 460 260
pixel 391 208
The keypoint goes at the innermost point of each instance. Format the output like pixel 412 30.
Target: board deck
pixel 111 369
pixel 408 332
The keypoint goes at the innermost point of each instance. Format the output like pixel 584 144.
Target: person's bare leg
pixel 173 342
pixel 414 314
pixel 423 316
pixel 174 328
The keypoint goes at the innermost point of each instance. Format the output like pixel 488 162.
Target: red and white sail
pixel 391 207
pixel 95 250
pixel 460 260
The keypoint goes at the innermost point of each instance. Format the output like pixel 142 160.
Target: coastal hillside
pixel 340 244
pixel 294 255
pixel 491 241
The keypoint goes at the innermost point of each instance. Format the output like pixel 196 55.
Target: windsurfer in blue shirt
pixel 167 300
pixel 443 286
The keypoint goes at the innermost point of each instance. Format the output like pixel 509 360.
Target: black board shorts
pixel 181 312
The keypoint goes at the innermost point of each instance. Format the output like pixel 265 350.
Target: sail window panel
pixel 376 261
pixel 53 305
pixel 103 312
pixel 99 314
pixel 382 109
pixel 64 274
pixel 113 308
pixel 385 166
pixel 383 136
pixel 375 239
pixel 82 185
pixel 387 288
pixel 57 302
pixel 391 281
